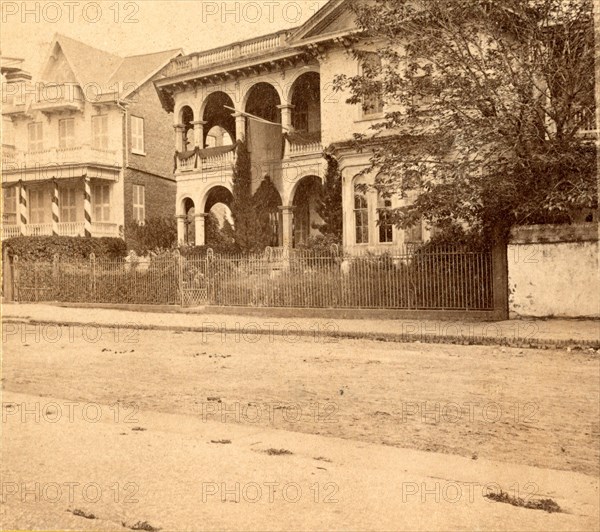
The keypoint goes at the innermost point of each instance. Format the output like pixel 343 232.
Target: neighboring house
pixel 91 142
pixel 287 78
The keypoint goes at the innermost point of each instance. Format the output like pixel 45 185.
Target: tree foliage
pixel 329 206
pixel 485 104
pixel 242 209
pixel 266 202
pixel 156 233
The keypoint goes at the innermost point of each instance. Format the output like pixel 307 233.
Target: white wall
pixel 553 271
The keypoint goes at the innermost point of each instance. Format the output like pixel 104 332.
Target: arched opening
pixel 219 129
pixel 218 231
pixel 186 120
pixel 217 137
pixel 189 229
pixel 305 203
pixel 306 99
pixel 267 201
pixel 262 101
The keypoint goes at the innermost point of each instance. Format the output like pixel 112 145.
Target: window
pixel 414 233
pixel 100 132
pixel 68 204
pixel 137 135
pixel 101 203
pixel 373 103
pixel 9 211
pixel 35 136
pixel 139 203
pixel 66 133
pixel 386 227
pixel 361 217
pixel 37 205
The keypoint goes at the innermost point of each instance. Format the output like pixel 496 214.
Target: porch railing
pixel 64 229
pixel 54 156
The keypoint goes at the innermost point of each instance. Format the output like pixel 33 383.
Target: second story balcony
pixel 300 144
pixel 60 163
pixel 219 159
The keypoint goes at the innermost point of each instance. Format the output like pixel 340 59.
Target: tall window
pixel 139 203
pixel 372 103
pixel 386 227
pixel 37 205
pixel 137 135
pixel 9 212
pixel 361 217
pixel 101 203
pixel 66 133
pixel 100 132
pixel 68 204
pixel 36 141
pixel 414 233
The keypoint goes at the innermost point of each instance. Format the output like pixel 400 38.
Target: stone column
pixel 179 129
pixel 199 133
pixel 181 228
pixel 287 226
pixel 286 117
pixel 200 237
pixel 240 126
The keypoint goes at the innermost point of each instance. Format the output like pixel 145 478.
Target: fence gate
pixel 194 281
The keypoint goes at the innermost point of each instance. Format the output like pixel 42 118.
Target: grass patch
pixel 548 505
pixel 81 513
pixel 277 452
pixel 141 525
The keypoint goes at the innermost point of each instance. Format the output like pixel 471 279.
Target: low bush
pixel 43 248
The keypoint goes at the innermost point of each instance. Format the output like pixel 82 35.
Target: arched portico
pixel 305 197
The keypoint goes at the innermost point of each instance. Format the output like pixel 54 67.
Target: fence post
pixel 180 276
pixel 92 275
pixel 500 279
pixel 55 273
pixel 7 277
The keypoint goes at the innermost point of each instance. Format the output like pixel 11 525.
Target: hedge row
pixel 43 248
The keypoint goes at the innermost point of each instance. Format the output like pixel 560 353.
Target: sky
pixel 137 27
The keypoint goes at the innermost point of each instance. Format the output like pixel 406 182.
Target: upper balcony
pixel 228 54
pixel 44 97
pixel 299 144
pixel 59 163
pixel 219 159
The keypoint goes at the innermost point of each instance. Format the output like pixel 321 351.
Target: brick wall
pixel 159 192
pixel 159 142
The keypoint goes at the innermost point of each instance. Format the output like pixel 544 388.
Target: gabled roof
pixel 102 70
pixel 334 19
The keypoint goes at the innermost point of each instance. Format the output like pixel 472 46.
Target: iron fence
pixel 446 278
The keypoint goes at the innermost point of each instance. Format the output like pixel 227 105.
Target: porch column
pixel 287 226
pixel 181 229
pixel 199 133
pixel 240 126
pixel 200 238
pixel 23 218
pixel 87 207
pixel 286 117
pixel 55 208
pixel 179 129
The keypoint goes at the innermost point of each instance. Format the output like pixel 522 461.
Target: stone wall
pixel 553 271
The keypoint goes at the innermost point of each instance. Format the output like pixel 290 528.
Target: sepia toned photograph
pixel 300 265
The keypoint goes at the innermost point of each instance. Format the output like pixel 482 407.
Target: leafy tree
pixel 485 102
pixel 155 233
pixel 329 206
pixel 266 203
pixel 218 238
pixel 242 209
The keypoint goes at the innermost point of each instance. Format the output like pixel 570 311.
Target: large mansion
pixel 237 92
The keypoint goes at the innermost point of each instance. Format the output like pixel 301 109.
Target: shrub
pixel 155 233
pixel 43 248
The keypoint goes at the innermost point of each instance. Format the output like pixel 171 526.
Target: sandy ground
pixel 367 453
